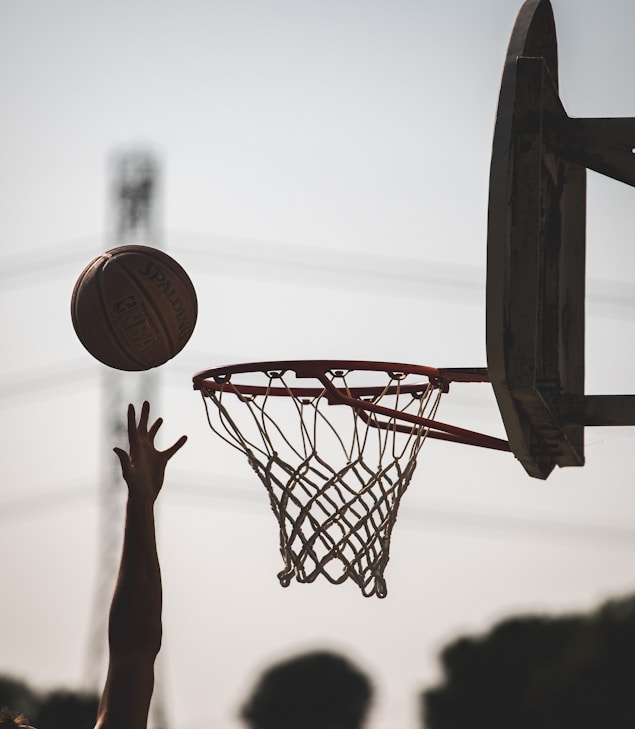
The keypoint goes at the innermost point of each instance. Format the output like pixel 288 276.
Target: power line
pixel 48 380
pixel 237 495
pixel 50 261
pixel 317 266
pixel 348 270
pixel 45 380
pixel 42 502
pixel 247 257
pixel 437 516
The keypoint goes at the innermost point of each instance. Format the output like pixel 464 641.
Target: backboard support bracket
pixel 601 410
pixel 606 145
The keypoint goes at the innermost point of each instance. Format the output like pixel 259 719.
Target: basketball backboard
pixel 536 252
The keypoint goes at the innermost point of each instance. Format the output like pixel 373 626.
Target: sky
pixel 324 180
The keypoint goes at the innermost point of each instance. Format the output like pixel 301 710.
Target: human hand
pixel 144 467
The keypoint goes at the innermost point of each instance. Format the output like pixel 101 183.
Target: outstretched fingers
pixel 169 452
pixel 132 426
pixel 143 418
pixel 139 431
pixel 154 428
pixel 144 459
pixel 124 460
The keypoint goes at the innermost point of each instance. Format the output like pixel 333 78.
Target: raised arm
pixel 134 633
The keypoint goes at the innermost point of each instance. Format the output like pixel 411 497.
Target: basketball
pixel 134 308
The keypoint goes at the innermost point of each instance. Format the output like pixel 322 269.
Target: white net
pixel 335 496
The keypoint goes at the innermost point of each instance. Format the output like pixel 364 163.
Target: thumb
pixel 174 448
pixel 123 460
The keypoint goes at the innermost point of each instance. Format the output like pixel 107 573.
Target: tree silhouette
pixel 318 690
pixel 537 672
pixel 58 709
pixel 17 696
pixel 62 709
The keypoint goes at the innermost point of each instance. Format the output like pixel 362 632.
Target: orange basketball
pixel 134 308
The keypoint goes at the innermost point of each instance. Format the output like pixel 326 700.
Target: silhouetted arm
pixel 134 632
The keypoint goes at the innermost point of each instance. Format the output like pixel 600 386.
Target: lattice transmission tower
pixel 133 218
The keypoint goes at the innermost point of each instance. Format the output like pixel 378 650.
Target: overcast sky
pixel 311 153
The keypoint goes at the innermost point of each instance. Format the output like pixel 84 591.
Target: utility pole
pixel 133 219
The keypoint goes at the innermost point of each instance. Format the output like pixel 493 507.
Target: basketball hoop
pixel 335 508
